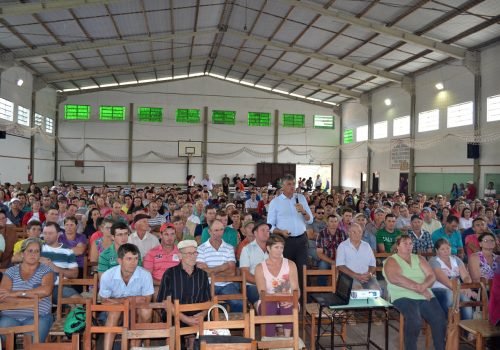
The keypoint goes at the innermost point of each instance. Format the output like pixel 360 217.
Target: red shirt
pixel 157 261
pixel 27 217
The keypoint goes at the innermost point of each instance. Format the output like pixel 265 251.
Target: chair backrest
pixel 235 346
pixel 21 233
pixel 10 240
pixel 264 319
pixel 279 342
pixel 481 304
pixel 88 283
pixel 380 257
pixel 243 324
pixel 308 287
pixel 182 308
pixel 92 309
pixel 89 267
pixel 74 345
pixel 19 304
pixel 240 280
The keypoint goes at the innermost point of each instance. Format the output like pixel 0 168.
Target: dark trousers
pixel 296 250
pixel 416 310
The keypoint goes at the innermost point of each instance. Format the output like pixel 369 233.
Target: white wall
pixel 196 93
pixel 15 149
pixel 437 153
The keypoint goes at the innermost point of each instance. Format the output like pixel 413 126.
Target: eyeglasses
pixel 320 212
pixel 488 241
pixel 190 253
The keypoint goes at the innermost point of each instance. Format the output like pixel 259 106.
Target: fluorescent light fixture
pixel 233 80
pixel 439 86
pixel 281 92
pixel 330 103
pixel 196 74
pixel 263 87
pixel 182 76
pixel 297 95
pixel 68 90
pixel 128 82
pixel 164 78
pixel 243 82
pixel 108 85
pixel 218 76
pixel 20 82
pixel 387 101
pixel 146 80
pixel 89 87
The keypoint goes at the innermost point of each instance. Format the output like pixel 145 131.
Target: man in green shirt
pixel 386 237
pixel 230 235
pixel 109 256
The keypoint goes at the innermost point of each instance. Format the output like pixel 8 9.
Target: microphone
pixel 296 199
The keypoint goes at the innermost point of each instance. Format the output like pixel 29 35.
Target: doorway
pixel 310 171
pixel 403 183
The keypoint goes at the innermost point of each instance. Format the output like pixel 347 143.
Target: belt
pixel 297 236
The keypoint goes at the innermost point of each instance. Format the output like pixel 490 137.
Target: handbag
pixel 221 331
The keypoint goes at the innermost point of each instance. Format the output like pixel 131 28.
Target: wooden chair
pixel 242 296
pixel 267 342
pixel 19 304
pixel 380 257
pixel 57 329
pixel 234 346
pixel 150 330
pixel 182 308
pixel 243 324
pixel 92 309
pixel 74 345
pixel 89 268
pixel 425 327
pixel 482 328
pixel 311 310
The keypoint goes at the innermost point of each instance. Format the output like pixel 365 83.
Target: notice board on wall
pixel 400 152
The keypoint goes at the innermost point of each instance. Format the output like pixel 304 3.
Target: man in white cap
pixel 15 214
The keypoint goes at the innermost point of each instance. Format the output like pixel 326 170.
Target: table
pixel 354 305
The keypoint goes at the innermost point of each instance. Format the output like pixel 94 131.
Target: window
pixel 401 126
pixel 259 119
pixel 116 113
pixel 6 110
pixel 224 117
pixel 49 125
pixel 76 112
pixel 362 133
pixel 460 115
pixel 23 116
pixel 348 136
pixel 38 119
pixel 187 116
pixel 293 120
pixel 493 108
pixel 428 120
pixel 150 114
pixel 380 130
pixel 324 122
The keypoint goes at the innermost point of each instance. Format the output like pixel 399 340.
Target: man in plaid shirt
pixel 422 240
pixel 327 242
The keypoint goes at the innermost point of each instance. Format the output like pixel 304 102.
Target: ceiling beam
pixel 102 43
pixel 295 78
pixel 78 74
pixel 326 58
pixel 434 45
pixel 31 8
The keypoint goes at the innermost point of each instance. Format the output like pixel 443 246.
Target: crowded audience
pixel 143 240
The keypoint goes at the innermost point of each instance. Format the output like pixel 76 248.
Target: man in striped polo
pixel 59 259
pixel 217 257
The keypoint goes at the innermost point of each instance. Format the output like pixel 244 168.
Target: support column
pixel 366 100
pixel 409 86
pixel 473 63
pixel 338 111
pixel 204 146
pixel 276 135
pixel 59 114
pixel 38 84
pixel 130 143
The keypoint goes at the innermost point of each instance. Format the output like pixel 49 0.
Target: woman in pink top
pixel 276 275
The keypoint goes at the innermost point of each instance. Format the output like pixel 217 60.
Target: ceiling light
pixel 387 101
pixel 439 86
pixel 20 82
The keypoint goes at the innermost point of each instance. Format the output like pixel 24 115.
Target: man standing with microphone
pixel 288 215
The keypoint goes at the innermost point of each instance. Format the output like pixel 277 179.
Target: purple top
pixel 73 243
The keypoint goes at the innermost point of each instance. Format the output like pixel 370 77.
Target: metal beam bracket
pixel 472 62
pixel 408 84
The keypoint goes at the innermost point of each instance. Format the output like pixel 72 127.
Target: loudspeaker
pixel 3 134
pixel 473 150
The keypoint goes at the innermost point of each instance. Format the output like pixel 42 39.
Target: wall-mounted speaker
pixel 3 134
pixel 473 150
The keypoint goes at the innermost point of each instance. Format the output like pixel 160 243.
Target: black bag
pixel 220 339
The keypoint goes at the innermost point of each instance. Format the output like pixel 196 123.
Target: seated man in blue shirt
pixel 451 233
pixel 125 281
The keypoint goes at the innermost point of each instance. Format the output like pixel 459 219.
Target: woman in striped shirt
pixel 28 279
